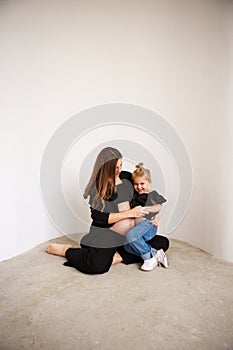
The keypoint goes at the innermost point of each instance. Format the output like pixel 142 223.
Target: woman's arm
pixel 99 218
pixel 126 214
pixel 127 221
pixel 104 219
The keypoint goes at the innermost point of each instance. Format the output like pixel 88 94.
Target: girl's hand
pixel 155 220
pixel 138 212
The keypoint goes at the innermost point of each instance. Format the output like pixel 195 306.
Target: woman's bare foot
pixel 58 249
pixel 116 259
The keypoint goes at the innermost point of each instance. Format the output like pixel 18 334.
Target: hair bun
pixel 139 165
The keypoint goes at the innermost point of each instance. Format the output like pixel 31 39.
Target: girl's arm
pixel 155 220
pixel 156 208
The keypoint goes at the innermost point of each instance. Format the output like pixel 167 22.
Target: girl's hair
pixel 101 185
pixel 140 171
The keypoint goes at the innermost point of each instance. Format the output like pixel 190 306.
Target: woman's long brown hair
pixel 102 181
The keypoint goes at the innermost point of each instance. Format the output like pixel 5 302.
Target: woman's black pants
pixel 91 260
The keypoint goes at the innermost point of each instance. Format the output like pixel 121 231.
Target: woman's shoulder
pixel 126 175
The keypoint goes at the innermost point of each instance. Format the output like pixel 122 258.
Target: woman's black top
pixel 124 193
pixel 99 235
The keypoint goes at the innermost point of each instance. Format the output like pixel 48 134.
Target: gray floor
pixel 45 305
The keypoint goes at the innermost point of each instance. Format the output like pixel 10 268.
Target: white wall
pixel 60 57
pixel 227 155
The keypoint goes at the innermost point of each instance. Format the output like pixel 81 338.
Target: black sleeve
pixel 126 175
pixel 157 198
pixel 99 218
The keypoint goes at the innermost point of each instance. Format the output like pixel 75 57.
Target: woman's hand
pixel 137 212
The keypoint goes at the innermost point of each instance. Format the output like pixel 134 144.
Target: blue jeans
pixel 137 237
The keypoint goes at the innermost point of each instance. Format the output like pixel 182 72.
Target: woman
pixel 110 191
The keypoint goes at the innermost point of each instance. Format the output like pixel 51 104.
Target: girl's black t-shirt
pixel 147 199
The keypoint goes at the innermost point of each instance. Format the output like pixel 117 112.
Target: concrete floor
pixel 45 305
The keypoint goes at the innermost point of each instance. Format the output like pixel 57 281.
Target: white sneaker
pixel 149 264
pixel 161 258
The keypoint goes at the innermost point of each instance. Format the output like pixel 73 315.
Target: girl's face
pixel 141 184
pixel 118 167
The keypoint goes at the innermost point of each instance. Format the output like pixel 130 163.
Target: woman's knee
pixel 97 264
pixel 159 242
pixel 96 268
pixel 164 242
pixel 91 260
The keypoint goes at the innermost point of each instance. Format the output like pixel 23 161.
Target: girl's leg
pixel 158 242
pixel 137 240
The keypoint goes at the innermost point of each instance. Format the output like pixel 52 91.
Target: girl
pixel 139 235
